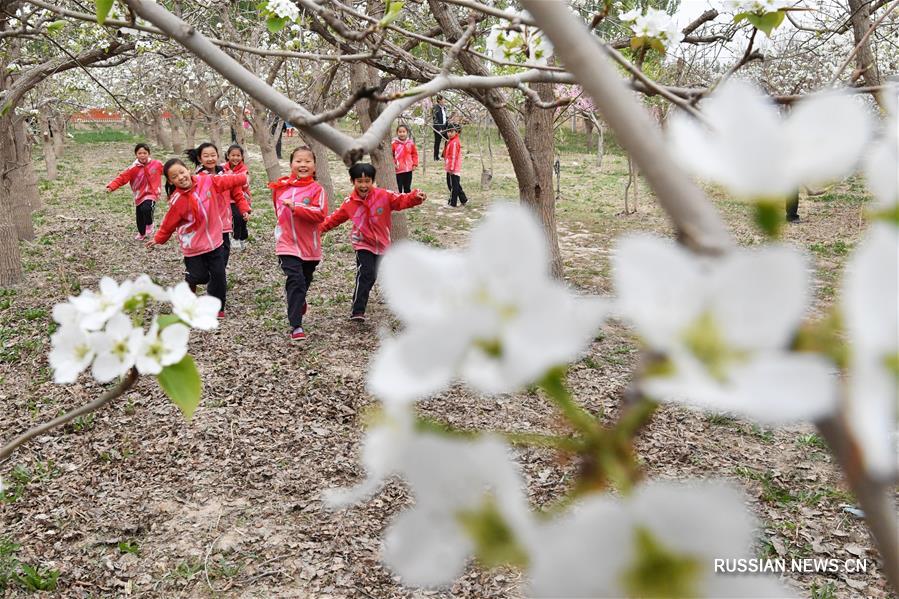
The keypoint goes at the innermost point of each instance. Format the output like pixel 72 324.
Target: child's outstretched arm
pixel 337 217
pixel 174 217
pixel 315 211
pixel 121 179
pixel 240 200
pixel 407 200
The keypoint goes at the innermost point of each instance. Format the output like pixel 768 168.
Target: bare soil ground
pixel 134 501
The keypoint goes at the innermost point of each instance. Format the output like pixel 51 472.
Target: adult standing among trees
pixel 438 123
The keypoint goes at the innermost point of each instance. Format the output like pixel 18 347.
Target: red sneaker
pixel 221 314
pixel 297 334
pixel 305 309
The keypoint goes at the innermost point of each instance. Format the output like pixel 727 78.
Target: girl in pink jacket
pixel 405 158
pixel 452 160
pixel 195 207
pixel 301 205
pixel 235 165
pixel 144 176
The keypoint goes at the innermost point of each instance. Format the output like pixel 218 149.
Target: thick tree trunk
pixel 212 130
pixel 866 63
pixel 178 135
pixel 163 139
pixel 24 194
pixel 10 258
pixel 382 155
pixel 262 135
pixel 538 138
pixel 588 127
pixel 240 136
pixel 49 148
pixel 59 127
pixel 190 132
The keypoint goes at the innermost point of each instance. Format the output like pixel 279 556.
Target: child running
pixel 301 205
pixel 195 207
pixel 452 156
pixel 405 158
pixel 235 165
pixel 144 176
pixel 369 208
pixel 206 158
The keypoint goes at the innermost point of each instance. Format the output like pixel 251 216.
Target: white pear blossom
pixel 871 312
pixel 144 284
pixel 492 315
pixel 284 9
pixel 723 326
pixel 757 155
pixel 162 348
pixel 97 308
pixel 759 7
pixel 662 540
pixel 654 23
pixel 459 486
pixel 518 43
pixel 72 351
pixel 198 312
pixel 116 348
pixel 383 447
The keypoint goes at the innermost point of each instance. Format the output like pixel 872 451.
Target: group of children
pixel 405 159
pixel 211 203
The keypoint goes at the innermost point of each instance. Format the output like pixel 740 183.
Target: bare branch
pixel 98 403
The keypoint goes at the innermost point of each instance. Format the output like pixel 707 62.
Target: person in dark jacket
pixel 438 123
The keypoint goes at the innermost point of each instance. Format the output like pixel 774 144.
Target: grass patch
pixel 102 135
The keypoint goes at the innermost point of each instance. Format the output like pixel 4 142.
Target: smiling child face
pixel 180 176
pixel 209 158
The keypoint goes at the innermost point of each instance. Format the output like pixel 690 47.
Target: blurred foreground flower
pixel 722 327
pixel 757 155
pixel 492 315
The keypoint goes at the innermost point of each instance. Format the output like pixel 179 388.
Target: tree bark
pixel 163 139
pixel 23 190
pixel 59 127
pixel 538 138
pixel 10 259
pixel 866 63
pixel 176 124
pixel 49 147
pixel 262 135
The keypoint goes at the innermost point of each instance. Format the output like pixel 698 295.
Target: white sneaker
pixel 236 244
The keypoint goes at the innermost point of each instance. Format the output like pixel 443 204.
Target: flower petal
pixel 759 296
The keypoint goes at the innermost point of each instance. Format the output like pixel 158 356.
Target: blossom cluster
pixel 654 24
pixel 758 7
pixel 518 43
pixel 104 330
pixel 283 9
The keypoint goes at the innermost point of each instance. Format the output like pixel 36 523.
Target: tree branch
pixel 126 383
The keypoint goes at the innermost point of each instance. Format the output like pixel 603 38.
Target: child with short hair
pixel 369 207
pixel 405 158
pixel 452 157
pixel 235 165
pixel 206 158
pixel 144 176
pixel 195 215
pixel 301 205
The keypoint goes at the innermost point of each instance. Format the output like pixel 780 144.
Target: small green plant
pixel 8 562
pixel 34 578
pixel 811 440
pixel 826 591
pixel 129 546
pixel 83 423
pixel 763 435
pixel 188 568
